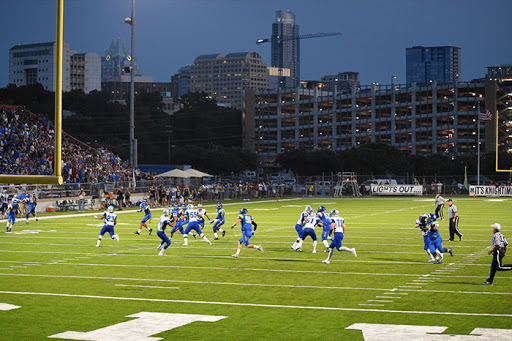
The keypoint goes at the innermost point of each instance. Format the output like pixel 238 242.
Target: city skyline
pixel 170 34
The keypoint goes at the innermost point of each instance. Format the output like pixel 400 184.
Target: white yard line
pixel 145 286
pixel 261 305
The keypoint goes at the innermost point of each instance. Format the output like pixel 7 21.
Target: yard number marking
pixel 140 329
pixel 386 332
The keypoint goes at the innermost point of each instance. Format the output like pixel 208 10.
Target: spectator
pixel 81 200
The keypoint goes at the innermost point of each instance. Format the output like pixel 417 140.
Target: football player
pixel 338 226
pixel 309 230
pixel 324 217
pixel 192 216
pixel 247 223
pixel 145 207
pixel 165 220
pixel 436 242
pixel 110 220
pixel 300 224
pixel 12 210
pixel 219 221
pixel 31 202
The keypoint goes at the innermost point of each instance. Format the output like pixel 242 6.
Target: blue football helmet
pixel 145 200
pixel 243 211
pixel 176 205
pixel 219 205
pixel 183 206
pixel 321 209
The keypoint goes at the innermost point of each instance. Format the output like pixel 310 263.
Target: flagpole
pixel 478 148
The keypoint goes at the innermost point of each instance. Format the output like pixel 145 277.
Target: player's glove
pixel 211 221
pixel 232 226
pixel 95 217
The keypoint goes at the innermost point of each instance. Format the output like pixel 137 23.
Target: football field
pixel 55 284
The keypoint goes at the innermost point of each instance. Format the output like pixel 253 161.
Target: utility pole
pixel 133 141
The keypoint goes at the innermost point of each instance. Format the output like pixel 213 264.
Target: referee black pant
pixel 439 211
pixel 496 265
pixel 454 228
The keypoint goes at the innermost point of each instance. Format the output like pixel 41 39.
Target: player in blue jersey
pixel 12 210
pixel 421 223
pixel 4 201
pixel 309 230
pixel 22 201
pixel 324 217
pixel 338 226
pixel 300 224
pixel 436 242
pixel 145 207
pixel 110 219
pixel 165 220
pixel 247 223
pixel 219 221
pixel 31 202
pixel 193 216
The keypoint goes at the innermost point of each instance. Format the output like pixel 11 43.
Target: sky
pixel 172 33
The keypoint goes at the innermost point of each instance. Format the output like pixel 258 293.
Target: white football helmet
pixel 190 207
pixel 199 205
pixel 334 212
pixel 110 209
pixel 308 209
pixel 166 211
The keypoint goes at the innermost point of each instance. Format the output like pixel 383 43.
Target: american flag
pixel 484 114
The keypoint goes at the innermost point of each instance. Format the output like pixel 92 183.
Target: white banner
pixel 501 191
pixel 397 189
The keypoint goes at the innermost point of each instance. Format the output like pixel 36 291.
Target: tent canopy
pixel 175 173
pixel 194 173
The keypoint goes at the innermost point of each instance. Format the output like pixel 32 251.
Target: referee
pixel 453 216
pixel 499 247
pixel 439 206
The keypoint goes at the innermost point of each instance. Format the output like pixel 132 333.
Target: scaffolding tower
pixel 347 181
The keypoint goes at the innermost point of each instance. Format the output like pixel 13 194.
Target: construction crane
pixel 302 36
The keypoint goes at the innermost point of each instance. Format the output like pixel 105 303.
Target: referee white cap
pixel 496 226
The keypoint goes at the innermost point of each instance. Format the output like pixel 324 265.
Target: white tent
pixel 175 173
pixel 194 173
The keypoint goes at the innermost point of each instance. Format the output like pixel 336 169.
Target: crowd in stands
pixel 27 145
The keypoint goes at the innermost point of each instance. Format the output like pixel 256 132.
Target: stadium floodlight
pixel 56 178
pixel 133 142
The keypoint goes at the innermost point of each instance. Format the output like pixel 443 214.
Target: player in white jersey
pixel 110 219
pixel 165 220
pixel 309 230
pixel 300 224
pixel 193 216
pixel 202 213
pixel 338 225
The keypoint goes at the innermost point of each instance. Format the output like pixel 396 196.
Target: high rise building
pixel 439 64
pixel 225 76
pixel 344 81
pixel 286 49
pixel 114 61
pixel 180 81
pixel 35 63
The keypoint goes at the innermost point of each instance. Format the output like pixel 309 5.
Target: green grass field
pixel 61 282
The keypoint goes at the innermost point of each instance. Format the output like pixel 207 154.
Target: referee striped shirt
pixel 498 240
pixel 451 211
pixel 439 200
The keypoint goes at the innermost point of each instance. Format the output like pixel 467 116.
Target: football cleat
pixel 161 253
pixel 235 255
pixel 450 252
pixel 223 233
pixel 194 235
pixel 314 251
pixel 460 238
pixel 116 237
pixel 431 260
pixel 137 232
pixel 326 261
pixel 159 247
pixel 209 242
pixel 216 238
pixel 261 249
pixel 150 230
pixel 299 250
pixel 487 283
pixel 327 250
pixel 438 262
pixel 353 251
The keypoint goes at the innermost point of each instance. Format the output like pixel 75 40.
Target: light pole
pixel 133 141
